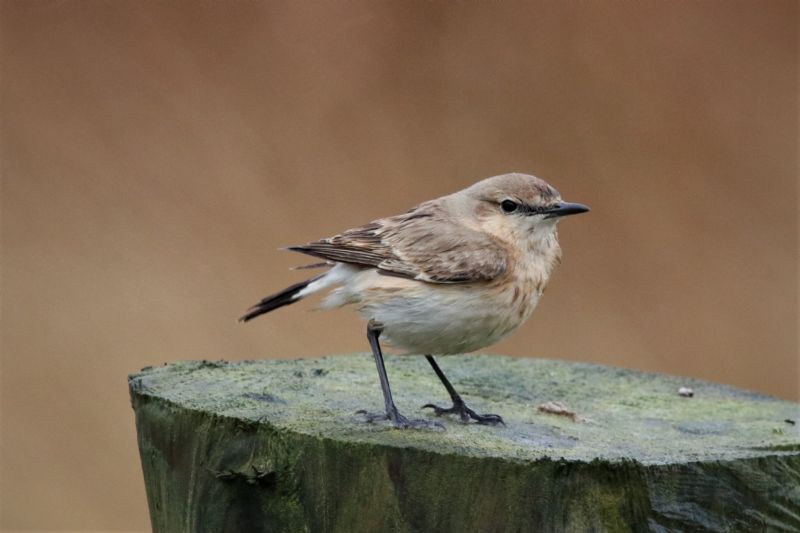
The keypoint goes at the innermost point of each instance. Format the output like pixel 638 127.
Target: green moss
pixel 275 445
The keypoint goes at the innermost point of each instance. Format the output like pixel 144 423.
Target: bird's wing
pixel 423 244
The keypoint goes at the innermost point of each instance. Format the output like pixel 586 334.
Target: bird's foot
pixel 399 421
pixel 465 413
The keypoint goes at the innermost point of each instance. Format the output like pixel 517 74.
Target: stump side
pixel 274 446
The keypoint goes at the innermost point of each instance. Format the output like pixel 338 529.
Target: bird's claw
pixel 465 413
pixel 399 421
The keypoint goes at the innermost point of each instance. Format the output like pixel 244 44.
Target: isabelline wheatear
pixel 452 275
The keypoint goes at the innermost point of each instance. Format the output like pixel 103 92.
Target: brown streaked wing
pixel 423 244
pixel 358 246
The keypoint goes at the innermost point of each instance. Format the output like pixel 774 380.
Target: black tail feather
pixel 279 299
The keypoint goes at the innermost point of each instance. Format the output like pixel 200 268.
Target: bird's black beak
pixel 563 209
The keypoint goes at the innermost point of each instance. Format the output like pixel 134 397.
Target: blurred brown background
pixel 155 154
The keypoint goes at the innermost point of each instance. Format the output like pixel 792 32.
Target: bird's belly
pixel 446 319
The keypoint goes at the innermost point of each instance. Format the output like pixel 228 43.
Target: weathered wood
pixel 276 446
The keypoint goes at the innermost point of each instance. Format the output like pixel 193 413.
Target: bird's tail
pixel 289 295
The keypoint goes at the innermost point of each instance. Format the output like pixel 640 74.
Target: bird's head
pixel 518 206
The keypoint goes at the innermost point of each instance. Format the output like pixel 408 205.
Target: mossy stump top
pixel 277 446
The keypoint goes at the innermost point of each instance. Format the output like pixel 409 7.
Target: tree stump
pixel 276 446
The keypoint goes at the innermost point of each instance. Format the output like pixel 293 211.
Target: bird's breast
pixel 447 319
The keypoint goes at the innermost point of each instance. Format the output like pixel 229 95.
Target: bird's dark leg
pixel 459 407
pixel 374 330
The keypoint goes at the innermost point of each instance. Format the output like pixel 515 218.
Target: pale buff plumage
pixel 452 275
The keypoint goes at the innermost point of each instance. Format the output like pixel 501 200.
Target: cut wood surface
pixel 277 446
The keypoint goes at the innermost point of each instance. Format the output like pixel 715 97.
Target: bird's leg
pixel 374 330
pixel 459 407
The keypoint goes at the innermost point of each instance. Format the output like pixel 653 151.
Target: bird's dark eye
pixel 509 206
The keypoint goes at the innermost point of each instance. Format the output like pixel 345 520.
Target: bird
pixel 452 275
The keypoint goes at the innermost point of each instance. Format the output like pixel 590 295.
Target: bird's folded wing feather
pixel 423 244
